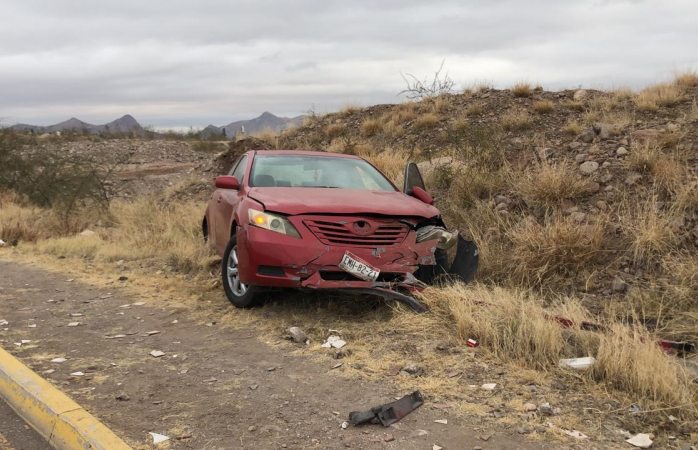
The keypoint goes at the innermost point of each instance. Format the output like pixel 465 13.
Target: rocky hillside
pixel 266 122
pixel 124 126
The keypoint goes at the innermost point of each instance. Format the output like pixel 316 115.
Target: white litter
pixel 158 438
pixel 344 425
pixel 334 341
pixel 578 363
pixel 2 243
pixel 576 434
pixel 151 333
pixel 76 315
pixel 489 386
pixel 640 440
pixel 32 325
pixel 157 353
pixel 3 322
pixel 139 304
pixel 58 360
pixel 25 341
pixel 441 421
pixel 73 324
pixel 436 447
pixel 77 374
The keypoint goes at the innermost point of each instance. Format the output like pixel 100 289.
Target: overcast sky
pixel 180 63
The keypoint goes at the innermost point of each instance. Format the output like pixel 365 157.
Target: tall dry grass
pixel 549 184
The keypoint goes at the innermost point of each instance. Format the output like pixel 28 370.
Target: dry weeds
pixel 662 94
pixel 549 184
pixel 521 89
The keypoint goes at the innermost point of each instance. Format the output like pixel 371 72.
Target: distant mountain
pixel 266 121
pixel 123 125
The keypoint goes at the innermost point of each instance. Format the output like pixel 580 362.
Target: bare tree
pixel 418 89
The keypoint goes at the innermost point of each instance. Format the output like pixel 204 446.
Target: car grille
pixel 344 232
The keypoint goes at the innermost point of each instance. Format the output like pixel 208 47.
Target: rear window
pixel 316 171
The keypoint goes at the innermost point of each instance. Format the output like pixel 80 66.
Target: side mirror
pixel 421 194
pixel 413 179
pixel 227 182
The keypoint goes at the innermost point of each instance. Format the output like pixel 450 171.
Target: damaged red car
pixel 317 220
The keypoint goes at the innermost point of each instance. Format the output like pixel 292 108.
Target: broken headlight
pixel 432 232
pixel 272 222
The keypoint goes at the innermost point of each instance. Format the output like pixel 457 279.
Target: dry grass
pixel 426 121
pixel 653 97
pixel 440 104
pixel 391 162
pixel 335 130
pixel 572 128
pixel 349 109
pixel 467 184
pixel 682 269
pixel 371 127
pixel 515 120
pixel 687 79
pixel 550 184
pixel 666 169
pixel 475 109
pixel 648 229
pixel 557 246
pixel 521 89
pixel 543 106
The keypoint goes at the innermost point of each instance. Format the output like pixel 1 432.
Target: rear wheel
pixel 240 294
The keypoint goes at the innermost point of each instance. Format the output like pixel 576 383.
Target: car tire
pixel 241 295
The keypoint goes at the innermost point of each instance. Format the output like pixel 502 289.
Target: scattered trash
pixel 297 335
pixel 157 353
pixel 436 447
pixel 151 333
pixel 254 387
pixel 472 343
pixel 489 386
pixel 139 304
pixel 337 366
pixel 578 363
pixel 116 336
pixel 388 413
pixel 58 360
pixel 77 374
pixel 576 434
pixel 32 325
pixel 441 421
pixel 158 438
pixel 2 243
pixel 76 315
pixel 640 440
pixel 49 371
pixel 3 322
pixel 73 324
pixel 635 408
pixel 344 425
pixel 334 341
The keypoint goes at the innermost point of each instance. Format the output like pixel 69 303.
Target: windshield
pixel 316 171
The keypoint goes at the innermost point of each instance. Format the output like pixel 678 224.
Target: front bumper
pixel 272 259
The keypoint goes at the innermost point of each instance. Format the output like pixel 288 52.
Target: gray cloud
pixel 179 62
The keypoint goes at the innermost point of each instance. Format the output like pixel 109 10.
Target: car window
pixel 239 171
pixel 316 171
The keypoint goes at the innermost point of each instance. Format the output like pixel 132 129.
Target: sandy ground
pixel 215 387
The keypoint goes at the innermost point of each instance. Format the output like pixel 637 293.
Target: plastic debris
pixel 640 440
pixel 158 438
pixel 58 360
pixel 157 353
pixel 344 425
pixel 436 447
pixel 441 421
pixel 32 325
pixel 578 363
pixel 472 343
pixel 489 386
pixel 334 341
pixel 2 243
pixel 3 322
pixel 77 374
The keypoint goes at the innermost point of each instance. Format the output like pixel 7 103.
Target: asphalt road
pixel 15 434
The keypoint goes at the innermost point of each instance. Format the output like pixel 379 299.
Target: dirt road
pixel 214 387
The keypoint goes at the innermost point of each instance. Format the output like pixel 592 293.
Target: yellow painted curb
pixel 54 415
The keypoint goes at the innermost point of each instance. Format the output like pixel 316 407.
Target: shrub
pixel 521 90
pixel 543 106
pixel 335 130
pixel 515 120
pixel 426 121
pixel 663 94
pixel 550 184
pixel 371 127
pixel 572 128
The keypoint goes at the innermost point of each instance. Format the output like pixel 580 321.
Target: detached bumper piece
pixel 388 413
pixel 388 294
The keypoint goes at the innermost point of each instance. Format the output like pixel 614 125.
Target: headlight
pixel 272 222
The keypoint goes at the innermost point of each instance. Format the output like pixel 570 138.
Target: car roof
pixel 303 153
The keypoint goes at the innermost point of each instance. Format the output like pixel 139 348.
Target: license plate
pixel 358 268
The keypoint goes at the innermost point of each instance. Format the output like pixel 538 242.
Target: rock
pixel 122 397
pixel 580 158
pixel 340 353
pixel 297 335
pixel 489 386
pixel 441 421
pixel 334 341
pixel 621 151
pixel 389 438
pixel 73 324
pixel 645 136
pixel 604 130
pixel 619 285
pixel 413 369
pixel 2 243
pixel 640 440
pixel 523 430
pixel 606 165
pixel 574 145
pixel 579 95
pixel 587 136
pixel 77 374
pixel 632 178
pixel 157 353
pixel 123 278
pixel 546 410
pixel 589 167
pixel 528 407
pixel 58 360
pixel 87 233
pixel 500 206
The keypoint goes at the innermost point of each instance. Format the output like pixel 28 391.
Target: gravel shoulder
pixel 215 387
pixel 17 435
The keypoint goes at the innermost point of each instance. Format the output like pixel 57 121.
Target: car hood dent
pixel 294 201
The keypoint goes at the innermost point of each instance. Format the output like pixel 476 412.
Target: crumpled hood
pixel 292 201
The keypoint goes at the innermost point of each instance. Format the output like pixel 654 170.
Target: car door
pixel 224 202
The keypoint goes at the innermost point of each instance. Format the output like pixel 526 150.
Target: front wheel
pixel 240 294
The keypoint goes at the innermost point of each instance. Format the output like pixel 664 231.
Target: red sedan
pixel 317 220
